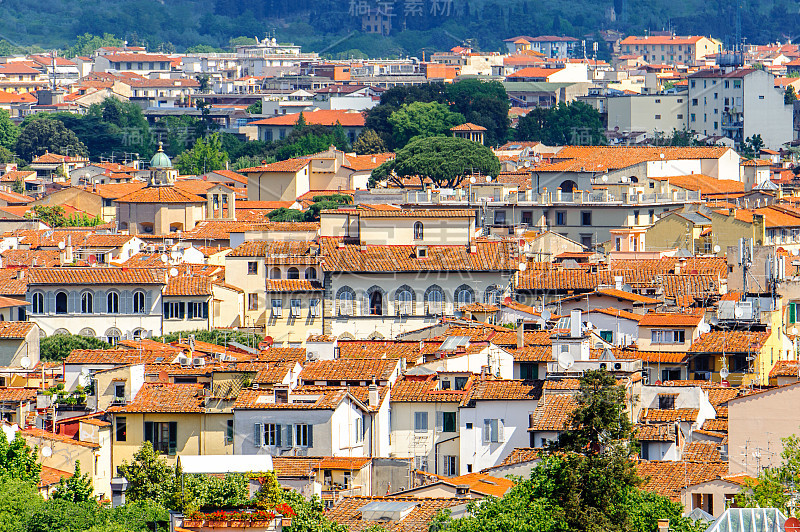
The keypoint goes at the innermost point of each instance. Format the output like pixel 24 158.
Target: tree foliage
pixel 368 143
pixel 255 108
pixel 216 337
pixel 774 485
pixel 443 160
pixel 54 216
pixel 575 123
pixel 789 95
pixel 43 135
pixel 320 203
pixel 57 347
pixel 420 119
pixel 87 44
pixel 18 459
pixel 751 147
pixel 77 488
pixel 205 156
pixel 9 132
pixel 149 478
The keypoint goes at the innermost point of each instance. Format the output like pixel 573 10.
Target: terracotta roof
pixel 410 351
pixel 715 425
pixel 118 190
pixel 729 342
pixel 391 211
pixel 489 256
pixel 321 398
pixel 601 158
pixel 469 126
pixel 17 394
pixel 347 512
pixel 665 319
pixel 504 390
pixel 322 117
pixel 15 329
pixel 349 370
pixel 533 353
pixel 361 163
pixel 414 389
pixel 165 397
pixel 160 194
pixel 289 165
pixel 553 413
pixel 702 451
pixel 669 478
pixel 705 184
pixel 95 276
pixel 50 476
pixel 666 39
pixel 40 434
pixel 115 356
pixel 618 313
pixel 188 286
pixel 477 483
pixel 663 432
pixel 520 455
pixel 293 285
pixel 657 415
pixel 785 368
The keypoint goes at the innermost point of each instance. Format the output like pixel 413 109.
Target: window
pixel 658 117
pixel 651 215
pixel 174 310
pixel 761 97
pixel 694 101
pixel 460 382
pixel 277 308
pixel 119 392
pixel 644 453
pixel 163 435
pixel 586 241
pixel 346 299
pixel 122 429
pixel 295 312
pixel 561 218
pixel 528 371
pixel 272 435
pixel 435 298
pixel 499 217
pixel 252 267
pixel 692 117
pixel 680 117
pixel 607 336
pixel 737 84
pixel 421 463
pixel 376 303
pixel 667 337
pixel 527 217
pixel 449 465
pixel 229 431
pixel 86 303
pixel 636 217
pixel 313 308
pixel 252 301
pixel 418 231
pixel 666 402
pixel 38 303
pixel 359 428
pixel 198 309
pixel 275 273
pixel 311 273
pixel 302 435
pixel 420 421
pixel 404 303
pixel 112 303
pixel 586 218
pixel 61 303
pixel 464 297
pixel 292 273
pixel 492 430
pixel 691 83
pixel 138 303
pixel 447 421
pixel 792 313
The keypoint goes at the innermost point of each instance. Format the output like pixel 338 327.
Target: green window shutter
pixel 310 435
pixel 173 438
pixel 148 431
pixel 792 312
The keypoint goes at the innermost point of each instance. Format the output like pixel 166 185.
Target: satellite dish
pixel 25 363
pixel 488 179
pixel 717 248
pixel 738 312
pixel 268 340
pixel 589 325
pixel 523 266
pixel 472 180
pixel 713 320
pixel 61 245
pixel 605 178
pixel 47 452
pixel 546 315
pixel 164 259
pixel 704 328
pixel 173 272
pixel 723 373
pixel 565 360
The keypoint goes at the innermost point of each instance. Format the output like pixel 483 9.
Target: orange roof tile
pixel 554 412
pixel 729 342
pixel 348 512
pixel 349 370
pixel 95 276
pixel 321 117
pixel 160 194
pixel 657 415
pixel 669 478
pixel 665 319
pixel 663 432
pixel 165 397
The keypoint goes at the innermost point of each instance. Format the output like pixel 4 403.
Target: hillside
pixel 330 26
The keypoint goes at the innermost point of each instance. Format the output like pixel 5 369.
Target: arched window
pixel 61 303
pixel 375 301
pixel 112 303
pixel 292 273
pixel 138 303
pixel 346 298
pixel 568 186
pixel 87 331
pixel 113 335
pixel 87 304
pixel 418 231
pixel 492 295
pixel 311 273
pixel 464 295
pixel 138 334
pixel 405 298
pixel 38 303
pixel 434 299
pixel 59 332
pixel 275 273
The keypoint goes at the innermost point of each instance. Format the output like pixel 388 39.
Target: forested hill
pixel 418 25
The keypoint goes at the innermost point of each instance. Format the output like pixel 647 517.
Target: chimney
pixel 618 282
pixel 118 487
pixel 520 336
pixel 373 395
pixel 575 323
pixel 663 525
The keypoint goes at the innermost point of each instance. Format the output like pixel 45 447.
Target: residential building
pixel 278 127
pixel 652 113
pixel 739 104
pixel 671 49
pixel 187 304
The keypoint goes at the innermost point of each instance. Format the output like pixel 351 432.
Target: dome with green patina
pixel 160 159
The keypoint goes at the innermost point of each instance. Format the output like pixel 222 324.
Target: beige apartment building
pixel 670 49
pixel 648 113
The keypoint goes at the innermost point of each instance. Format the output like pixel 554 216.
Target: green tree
pixel 18 186
pixel 774 485
pixel 751 147
pixel 789 95
pixel 57 347
pixel 575 123
pixel 205 82
pixel 43 135
pixel 246 161
pixel 18 460
pixel 77 488
pixel 216 337
pixel 484 103
pixel 301 122
pixel 87 43
pixel 255 108
pixel 9 132
pixel 205 156
pixel 19 499
pixel 368 143
pixel 309 515
pixel 422 119
pixel 444 160
pixel 149 478
pixel 54 216
pixel 283 214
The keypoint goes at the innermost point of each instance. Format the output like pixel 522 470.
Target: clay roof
pixel 702 451
pixel 729 342
pixel 40 434
pixel 716 425
pixel 411 389
pixel 165 397
pixel 289 165
pixel 50 476
pixel 657 415
pixel 504 390
pixel 618 313
pixel 469 126
pixel 664 432
pixel 160 194
pixel 361 163
pixel 95 276
pixel 533 353
pixel 665 319
pixel 785 368
pixel 321 398
pixel 188 286
pixel 519 455
pixel 477 482
pixel 601 158
pixel 13 175
pixel 114 356
pixel 347 512
pixel 349 370
pixel 553 413
pixel 17 394
pixel 705 184
pixel 666 39
pixel 379 349
pixel 118 190
pixel 15 329
pixel 669 478
pixel 319 116
pixel 293 285
pixel 489 255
